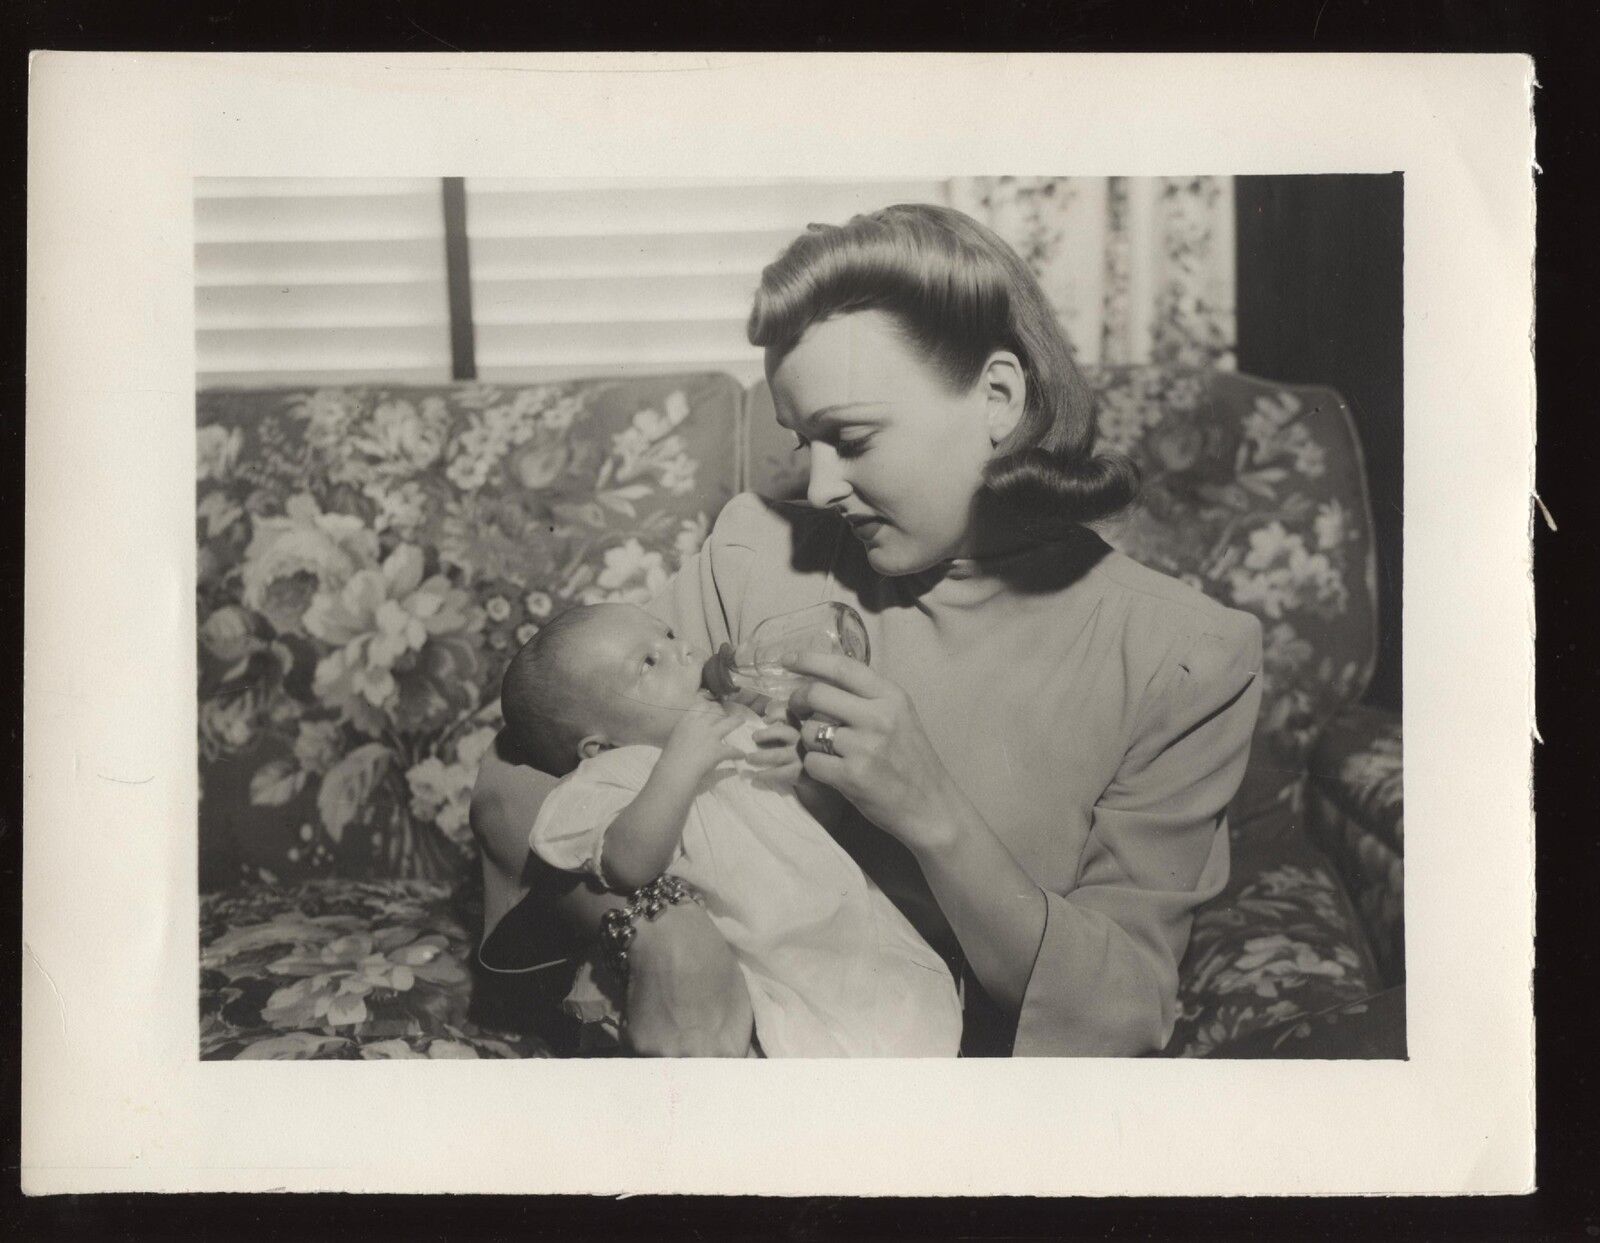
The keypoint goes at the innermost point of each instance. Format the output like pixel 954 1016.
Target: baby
pixel 834 969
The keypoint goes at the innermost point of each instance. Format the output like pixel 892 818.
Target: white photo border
pixel 114 1097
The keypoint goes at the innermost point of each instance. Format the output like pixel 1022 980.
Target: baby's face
pixel 642 676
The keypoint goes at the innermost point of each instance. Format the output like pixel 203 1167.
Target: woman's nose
pixel 826 486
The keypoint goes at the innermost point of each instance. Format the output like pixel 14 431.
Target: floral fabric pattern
pixel 1279 944
pixel 1368 1028
pixel 372 970
pixel 345 970
pixel 370 558
pixel 1357 817
pixel 1138 269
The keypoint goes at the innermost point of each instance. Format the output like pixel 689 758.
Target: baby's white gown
pixel 834 968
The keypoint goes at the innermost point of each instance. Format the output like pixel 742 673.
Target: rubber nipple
pixel 717 675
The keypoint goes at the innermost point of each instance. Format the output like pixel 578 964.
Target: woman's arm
pixel 505 802
pixel 887 767
pixel 995 908
pixel 1092 971
pixel 686 995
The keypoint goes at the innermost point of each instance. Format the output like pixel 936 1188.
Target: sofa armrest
pixel 1356 815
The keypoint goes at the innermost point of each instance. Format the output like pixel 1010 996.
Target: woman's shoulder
pixel 1193 655
pixel 750 519
pixel 805 537
pixel 1166 612
pixel 764 557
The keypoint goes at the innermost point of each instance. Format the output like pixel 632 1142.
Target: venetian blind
pixel 302 281
pixel 583 278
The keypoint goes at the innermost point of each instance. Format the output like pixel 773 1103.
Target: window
pixel 575 278
pixel 325 281
pixel 320 281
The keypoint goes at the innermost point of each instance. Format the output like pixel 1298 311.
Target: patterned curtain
pixel 1140 269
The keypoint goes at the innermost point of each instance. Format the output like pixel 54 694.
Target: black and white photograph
pixel 602 641
pixel 517 500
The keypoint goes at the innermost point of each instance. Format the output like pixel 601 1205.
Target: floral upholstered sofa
pixel 370 557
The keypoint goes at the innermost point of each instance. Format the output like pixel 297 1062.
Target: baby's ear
pixel 592 745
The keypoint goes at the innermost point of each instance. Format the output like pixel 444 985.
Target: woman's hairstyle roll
pixel 959 293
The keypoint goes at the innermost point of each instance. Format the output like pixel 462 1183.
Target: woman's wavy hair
pixel 959 293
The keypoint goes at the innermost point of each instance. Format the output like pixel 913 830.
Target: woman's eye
pixel 853 447
pixel 799 442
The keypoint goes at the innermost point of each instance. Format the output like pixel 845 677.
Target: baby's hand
pixel 699 739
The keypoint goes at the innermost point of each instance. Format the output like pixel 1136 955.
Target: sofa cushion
pixel 346 970
pixel 1362 1030
pixel 381 969
pixel 369 559
pixel 1254 493
pixel 1279 943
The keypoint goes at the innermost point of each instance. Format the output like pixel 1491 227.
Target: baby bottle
pixel 756 666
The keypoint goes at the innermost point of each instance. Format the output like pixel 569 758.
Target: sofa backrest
pixel 370 557
pixel 1255 493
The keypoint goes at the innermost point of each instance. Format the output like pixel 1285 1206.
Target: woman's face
pixel 893 449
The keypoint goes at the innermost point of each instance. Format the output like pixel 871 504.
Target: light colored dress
pixel 1096 713
pixel 833 968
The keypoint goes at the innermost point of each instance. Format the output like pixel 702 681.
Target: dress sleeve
pixel 572 822
pixel 1105 981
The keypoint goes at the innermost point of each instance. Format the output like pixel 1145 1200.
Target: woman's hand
pixel 887 767
pixel 686 994
pixel 777 754
pixel 882 760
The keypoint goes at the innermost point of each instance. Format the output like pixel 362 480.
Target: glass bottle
pixel 755 667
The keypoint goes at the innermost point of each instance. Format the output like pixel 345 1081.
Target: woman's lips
pixel 865 528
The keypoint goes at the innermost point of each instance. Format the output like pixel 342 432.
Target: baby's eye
pixel 799 442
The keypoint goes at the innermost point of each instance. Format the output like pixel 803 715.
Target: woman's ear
pixel 592 745
pixel 1005 388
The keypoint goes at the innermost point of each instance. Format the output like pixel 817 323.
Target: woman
pixel 1037 763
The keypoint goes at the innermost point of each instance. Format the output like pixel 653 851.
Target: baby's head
pixel 598 676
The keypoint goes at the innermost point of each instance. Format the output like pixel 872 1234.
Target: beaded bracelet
pixel 617 926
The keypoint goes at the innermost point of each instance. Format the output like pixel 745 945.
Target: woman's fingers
pixel 776 758
pixel 782 776
pixel 841 671
pixel 813 698
pixel 828 769
pixel 775 747
pixel 839 740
